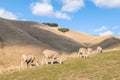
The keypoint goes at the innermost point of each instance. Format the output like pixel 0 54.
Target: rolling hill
pixel 27 37
pixel 31 34
pixel 106 42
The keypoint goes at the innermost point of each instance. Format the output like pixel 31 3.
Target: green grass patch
pixel 104 66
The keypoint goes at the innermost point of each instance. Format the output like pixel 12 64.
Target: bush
pixel 63 29
pixel 51 24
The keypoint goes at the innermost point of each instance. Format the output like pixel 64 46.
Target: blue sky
pixel 97 17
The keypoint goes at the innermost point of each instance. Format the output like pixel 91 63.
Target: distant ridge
pixel 107 42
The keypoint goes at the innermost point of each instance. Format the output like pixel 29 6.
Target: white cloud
pixel 7 14
pixel 72 5
pixel 46 9
pixel 106 33
pixel 42 9
pixel 107 3
pixel 101 29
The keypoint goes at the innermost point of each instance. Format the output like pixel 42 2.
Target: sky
pixel 96 17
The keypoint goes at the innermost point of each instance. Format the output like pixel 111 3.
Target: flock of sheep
pixel 85 52
pixel 27 60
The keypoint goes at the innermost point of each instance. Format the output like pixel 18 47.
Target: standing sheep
pixel 99 49
pixel 53 55
pixel 90 51
pixel 27 60
pixel 83 52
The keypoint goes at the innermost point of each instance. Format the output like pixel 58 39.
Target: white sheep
pixel 50 54
pixel 83 52
pixel 27 60
pixel 99 49
pixel 90 51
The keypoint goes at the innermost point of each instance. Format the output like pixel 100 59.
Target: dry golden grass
pixel 11 57
pixel 77 36
pixel 100 67
pixel 65 56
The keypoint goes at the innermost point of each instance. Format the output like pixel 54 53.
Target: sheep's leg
pixel 52 60
pixel 101 51
pixel 60 60
pixel 30 64
pixel 82 55
pixel 27 64
pixel 87 55
pixel 79 54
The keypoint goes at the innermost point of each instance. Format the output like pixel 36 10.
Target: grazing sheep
pixel 27 60
pixel 83 52
pixel 99 49
pixel 53 55
pixel 90 50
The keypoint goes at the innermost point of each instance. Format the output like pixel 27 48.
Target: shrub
pixel 51 24
pixel 63 29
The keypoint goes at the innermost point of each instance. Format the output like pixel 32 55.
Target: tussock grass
pixel 104 66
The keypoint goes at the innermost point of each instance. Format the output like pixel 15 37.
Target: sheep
pixel 53 55
pixel 99 49
pixel 90 51
pixel 83 52
pixel 27 60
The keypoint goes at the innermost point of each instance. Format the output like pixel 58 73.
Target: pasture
pixel 104 66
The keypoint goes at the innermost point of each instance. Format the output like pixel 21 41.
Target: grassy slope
pixel 99 67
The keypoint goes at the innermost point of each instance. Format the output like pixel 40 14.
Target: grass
pixel 104 66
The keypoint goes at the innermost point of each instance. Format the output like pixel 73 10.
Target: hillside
pixel 27 37
pixel 118 37
pixel 24 33
pixel 77 36
pixel 99 67
pixel 107 42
